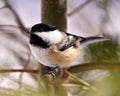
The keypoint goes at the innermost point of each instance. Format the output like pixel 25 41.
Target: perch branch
pixel 74 69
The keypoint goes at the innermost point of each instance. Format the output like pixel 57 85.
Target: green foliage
pixel 107 51
pixel 106 87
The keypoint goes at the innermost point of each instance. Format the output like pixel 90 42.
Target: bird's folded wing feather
pixel 70 41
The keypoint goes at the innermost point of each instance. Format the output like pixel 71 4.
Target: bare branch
pixel 17 19
pixel 18 70
pixel 2 7
pixel 80 7
pixel 23 30
pixel 74 69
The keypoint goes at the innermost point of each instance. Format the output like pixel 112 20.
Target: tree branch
pixel 94 66
pixel 74 69
pixel 18 70
pixel 17 19
pixel 79 7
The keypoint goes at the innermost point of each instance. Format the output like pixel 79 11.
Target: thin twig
pixel 79 7
pixel 27 63
pixel 2 7
pixel 19 70
pixel 17 27
pixel 17 19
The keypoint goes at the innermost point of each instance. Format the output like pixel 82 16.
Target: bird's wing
pixel 70 41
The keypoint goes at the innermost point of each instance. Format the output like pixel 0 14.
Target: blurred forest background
pixel 97 71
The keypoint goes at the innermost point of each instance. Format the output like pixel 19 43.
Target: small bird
pixel 54 48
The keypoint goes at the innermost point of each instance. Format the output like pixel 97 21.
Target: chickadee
pixel 53 48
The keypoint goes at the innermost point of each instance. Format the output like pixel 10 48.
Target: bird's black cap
pixel 41 27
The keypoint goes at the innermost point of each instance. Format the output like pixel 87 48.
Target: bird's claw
pixel 49 70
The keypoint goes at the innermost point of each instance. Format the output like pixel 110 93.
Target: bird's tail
pixel 92 39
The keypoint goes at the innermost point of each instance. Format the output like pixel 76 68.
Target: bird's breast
pixel 52 57
pixel 41 54
pixel 63 58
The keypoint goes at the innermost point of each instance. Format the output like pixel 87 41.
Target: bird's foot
pixel 50 70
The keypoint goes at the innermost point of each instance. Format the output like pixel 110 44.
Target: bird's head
pixel 45 33
pixel 41 27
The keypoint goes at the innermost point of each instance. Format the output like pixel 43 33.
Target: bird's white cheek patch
pixel 52 36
